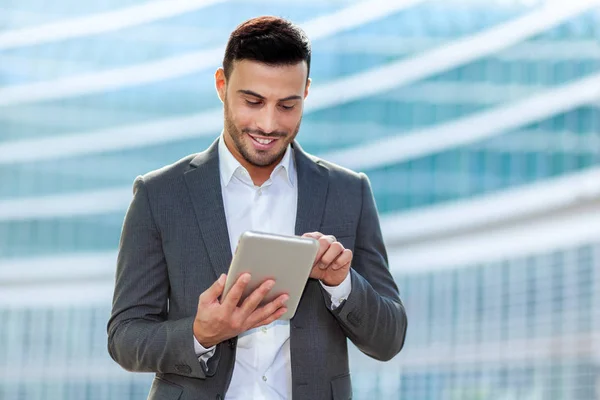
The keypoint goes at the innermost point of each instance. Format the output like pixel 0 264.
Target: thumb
pixel 215 290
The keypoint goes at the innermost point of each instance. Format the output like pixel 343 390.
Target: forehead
pixel 268 80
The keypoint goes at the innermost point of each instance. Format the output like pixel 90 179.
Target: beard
pixel 258 158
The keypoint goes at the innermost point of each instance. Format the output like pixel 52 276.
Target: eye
pixel 252 103
pixel 287 107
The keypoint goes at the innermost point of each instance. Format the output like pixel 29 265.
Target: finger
pixel 332 253
pixel 273 317
pixel 344 259
pixel 211 294
pixel 314 235
pixel 255 298
pixel 316 272
pixel 237 290
pixel 267 310
pixel 324 243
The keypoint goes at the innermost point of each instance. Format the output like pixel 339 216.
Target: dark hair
pixel 269 40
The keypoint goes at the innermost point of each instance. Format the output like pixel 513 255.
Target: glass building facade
pixel 81 116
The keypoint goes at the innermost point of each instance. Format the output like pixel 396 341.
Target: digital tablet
pixel 286 259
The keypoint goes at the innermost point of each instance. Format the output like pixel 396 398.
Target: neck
pixel 259 175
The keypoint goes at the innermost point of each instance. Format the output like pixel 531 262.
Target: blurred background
pixel 478 123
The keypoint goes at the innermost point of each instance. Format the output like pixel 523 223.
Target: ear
pixel 220 83
pixel 308 81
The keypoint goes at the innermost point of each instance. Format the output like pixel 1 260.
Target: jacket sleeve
pixel 373 316
pixel 140 336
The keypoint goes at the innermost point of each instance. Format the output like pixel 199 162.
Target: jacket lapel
pixel 204 185
pixel 313 180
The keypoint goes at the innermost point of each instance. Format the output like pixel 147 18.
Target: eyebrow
pixel 251 93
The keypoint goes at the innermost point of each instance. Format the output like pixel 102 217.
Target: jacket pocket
pixel 164 390
pixel 341 387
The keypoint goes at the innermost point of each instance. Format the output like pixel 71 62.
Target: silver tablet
pixel 286 259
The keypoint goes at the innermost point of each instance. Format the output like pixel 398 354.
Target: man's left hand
pixel 332 263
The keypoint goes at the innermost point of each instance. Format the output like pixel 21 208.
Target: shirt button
pixel 264 378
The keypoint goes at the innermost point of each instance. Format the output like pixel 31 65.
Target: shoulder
pixel 340 174
pixel 164 180
pixel 169 171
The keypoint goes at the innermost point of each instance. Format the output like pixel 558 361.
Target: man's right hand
pixel 218 321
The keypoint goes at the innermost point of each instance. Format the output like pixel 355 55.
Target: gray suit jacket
pixel 175 244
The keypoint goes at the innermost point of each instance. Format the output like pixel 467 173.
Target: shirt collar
pixel 228 165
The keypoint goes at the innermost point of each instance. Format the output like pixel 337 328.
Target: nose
pixel 266 120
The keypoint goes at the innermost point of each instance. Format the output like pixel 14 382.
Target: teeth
pixel 263 141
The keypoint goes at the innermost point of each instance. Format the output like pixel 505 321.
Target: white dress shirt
pixel 262 364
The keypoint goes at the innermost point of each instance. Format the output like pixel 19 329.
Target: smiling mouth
pixel 262 140
pixel 262 143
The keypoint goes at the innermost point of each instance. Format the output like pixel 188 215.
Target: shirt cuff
pixel 203 353
pixel 340 292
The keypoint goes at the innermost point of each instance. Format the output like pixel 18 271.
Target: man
pixel 184 221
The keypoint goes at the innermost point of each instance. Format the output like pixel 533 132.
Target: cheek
pixel 290 120
pixel 241 117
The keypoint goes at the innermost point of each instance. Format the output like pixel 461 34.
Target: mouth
pixel 263 143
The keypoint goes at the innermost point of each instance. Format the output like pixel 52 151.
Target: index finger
pixel 314 235
pixel 235 293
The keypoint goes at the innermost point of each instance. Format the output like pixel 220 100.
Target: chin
pixel 264 158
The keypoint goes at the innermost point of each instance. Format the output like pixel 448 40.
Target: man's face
pixel 263 108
